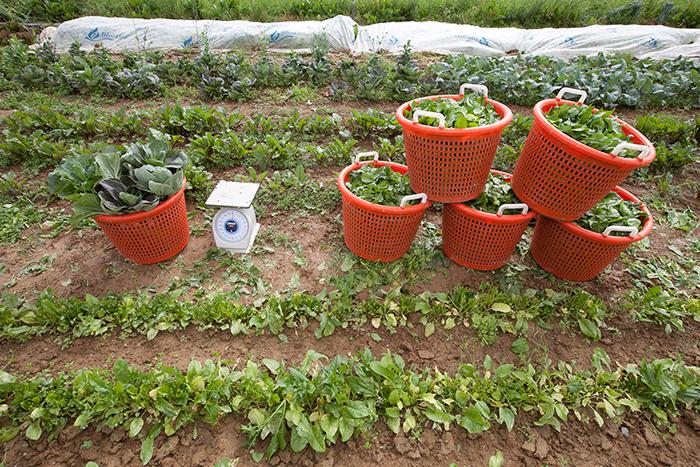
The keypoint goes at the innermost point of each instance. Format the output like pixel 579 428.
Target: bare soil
pixel 84 262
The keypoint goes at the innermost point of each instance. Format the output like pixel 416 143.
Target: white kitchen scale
pixel 234 226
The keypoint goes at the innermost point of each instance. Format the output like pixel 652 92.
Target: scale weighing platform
pixel 235 226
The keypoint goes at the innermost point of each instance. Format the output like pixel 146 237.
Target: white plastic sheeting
pixel 343 34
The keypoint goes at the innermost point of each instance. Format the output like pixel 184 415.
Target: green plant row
pixel 323 401
pixel 499 13
pixel 609 80
pixel 658 306
pixel 486 311
pixel 189 122
pixel 43 135
pixel 214 138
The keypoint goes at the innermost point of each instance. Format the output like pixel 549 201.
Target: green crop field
pixel 308 350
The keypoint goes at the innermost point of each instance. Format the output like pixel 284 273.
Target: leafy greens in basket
pixel 497 191
pixel 597 130
pixel 469 111
pixel 378 185
pixel 613 210
pixel 113 183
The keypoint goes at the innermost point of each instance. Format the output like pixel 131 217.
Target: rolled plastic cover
pixel 343 34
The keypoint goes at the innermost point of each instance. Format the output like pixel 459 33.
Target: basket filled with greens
pixel 574 155
pixel 136 197
pixel 483 233
pixel 451 142
pixel 580 250
pixel 381 214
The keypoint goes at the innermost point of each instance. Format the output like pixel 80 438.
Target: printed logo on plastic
pixel 277 36
pixel 95 35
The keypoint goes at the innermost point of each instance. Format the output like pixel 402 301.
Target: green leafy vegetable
pixel 110 183
pixel 594 129
pixel 156 153
pixel 470 111
pixel 342 397
pixel 116 198
pixel 75 175
pixel 497 191
pixel 379 185
pixel 613 210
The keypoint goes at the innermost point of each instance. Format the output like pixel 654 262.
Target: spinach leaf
pixel 468 112
pixel 497 191
pixel 613 210
pixel 379 185
pixel 597 130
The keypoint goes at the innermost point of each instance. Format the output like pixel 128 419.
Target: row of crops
pixel 610 81
pixel 40 136
pixel 323 400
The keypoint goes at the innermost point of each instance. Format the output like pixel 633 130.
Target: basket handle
pixel 360 155
pixel 421 196
pixel 480 88
pixel 643 149
pixel 577 92
pixel 632 231
pixel 524 208
pixel 426 113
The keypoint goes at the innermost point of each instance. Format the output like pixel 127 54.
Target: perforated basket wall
pixel 571 252
pixel 471 239
pixel 563 179
pixel 153 236
pixel 446 170
pixel 451 165
pixel 375 232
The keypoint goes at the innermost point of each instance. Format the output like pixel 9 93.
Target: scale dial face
pixel 231 225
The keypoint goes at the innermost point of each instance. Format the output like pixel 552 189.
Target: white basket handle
pixel 421 196
pixel 425 113
pixel 480 88
pixel 577 92
pixel 643 149
pixel 632 231
pixel 524 208
pixel 360 155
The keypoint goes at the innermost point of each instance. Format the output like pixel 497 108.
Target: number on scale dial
pixel 231 225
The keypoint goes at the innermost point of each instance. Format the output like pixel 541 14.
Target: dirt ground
pixel 84 262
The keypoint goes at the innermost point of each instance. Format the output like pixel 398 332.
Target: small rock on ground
pixel 402 444
pixel 447 443
pixel 651 437
pixel 541 448
pixel 529 445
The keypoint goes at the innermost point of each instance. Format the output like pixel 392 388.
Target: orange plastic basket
pixel 573 253
pixel 151 236
pixel 451 165
pixel 562 178
pixel 373 231
pixel 481 240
